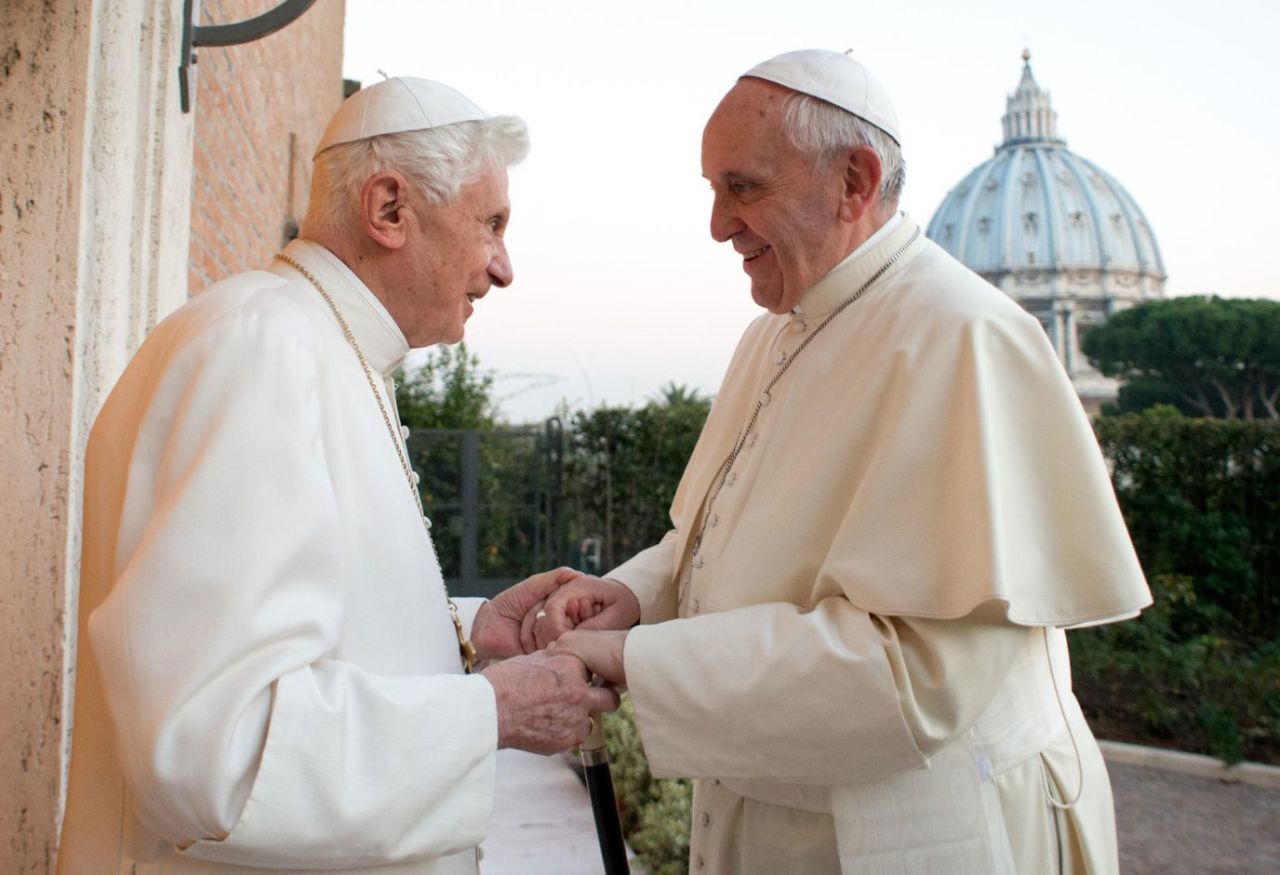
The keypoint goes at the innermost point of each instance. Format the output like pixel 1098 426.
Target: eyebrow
pixel 732 176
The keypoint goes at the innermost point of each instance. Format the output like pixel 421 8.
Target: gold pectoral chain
pixel 738 444
pixel 465 647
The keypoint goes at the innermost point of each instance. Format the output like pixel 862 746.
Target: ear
pixel 384 208
pixel 861 189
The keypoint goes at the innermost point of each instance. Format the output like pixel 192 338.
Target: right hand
pixel 585 603
pixel 543 701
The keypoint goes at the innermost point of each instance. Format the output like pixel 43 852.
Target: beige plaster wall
pixel 42 92
pixel 96 243
pixel 95 178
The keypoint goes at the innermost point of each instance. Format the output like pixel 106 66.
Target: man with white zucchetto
pixel 271 675
pixel 852 638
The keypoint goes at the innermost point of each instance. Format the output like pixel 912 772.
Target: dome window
pixel 1030 222
pixel 984 225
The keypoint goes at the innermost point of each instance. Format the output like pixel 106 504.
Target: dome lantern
pixel 1029 115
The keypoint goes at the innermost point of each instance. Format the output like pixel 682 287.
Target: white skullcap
pixel 836 78
pixel 394 106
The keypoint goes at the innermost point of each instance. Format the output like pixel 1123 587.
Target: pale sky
pixel 619 288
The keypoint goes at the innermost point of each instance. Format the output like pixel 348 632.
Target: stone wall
pixel 40 133
pixel 260 109
pixel 98 239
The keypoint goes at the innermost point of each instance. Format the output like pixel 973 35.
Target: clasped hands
pixel 551 633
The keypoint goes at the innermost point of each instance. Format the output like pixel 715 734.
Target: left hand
pixel 496 630
pixel 600 651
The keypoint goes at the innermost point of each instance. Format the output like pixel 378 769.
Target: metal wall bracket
pixel 196 36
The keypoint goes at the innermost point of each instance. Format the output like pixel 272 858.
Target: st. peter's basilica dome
pixel 1052 230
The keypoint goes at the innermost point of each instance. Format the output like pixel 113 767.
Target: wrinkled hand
pixel 544 700
pixel 496 630
pixel 600 651
pixel 583 603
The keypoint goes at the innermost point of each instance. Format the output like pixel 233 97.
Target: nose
pixel 724 224
pixel 500 268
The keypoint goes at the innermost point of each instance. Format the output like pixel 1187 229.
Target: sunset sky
pixel 620 289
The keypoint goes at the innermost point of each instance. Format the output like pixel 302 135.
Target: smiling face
pixel 452 254
pixel 777 209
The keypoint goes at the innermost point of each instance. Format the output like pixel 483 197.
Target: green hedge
pixel 1199 670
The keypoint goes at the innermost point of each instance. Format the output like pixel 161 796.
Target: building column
pixel 95 177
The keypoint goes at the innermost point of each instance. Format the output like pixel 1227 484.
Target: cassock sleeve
pixel 829 697
pixel 648 574
pixel 242 740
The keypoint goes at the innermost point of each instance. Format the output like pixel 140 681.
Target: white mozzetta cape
pixel 868 628
pixel 269 676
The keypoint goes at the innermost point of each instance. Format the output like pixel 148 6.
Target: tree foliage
pixel 623 466
pixel 1201 667
pixel 447 402
pixel 1207 356
pixel 449 390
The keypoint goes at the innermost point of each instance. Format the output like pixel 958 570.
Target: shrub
pixel 655 811
pixel 1200 669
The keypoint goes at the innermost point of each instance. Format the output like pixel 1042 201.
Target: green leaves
pixel 449 390
pixel 1201 667
pixel 1208 356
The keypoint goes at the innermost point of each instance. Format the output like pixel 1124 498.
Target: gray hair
pixel 826 132
pixel 439 161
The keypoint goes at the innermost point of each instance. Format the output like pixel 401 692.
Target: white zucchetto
pixel 395 106
pixel 836 78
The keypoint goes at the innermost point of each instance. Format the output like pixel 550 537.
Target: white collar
pixel 857 266
pixel 380 339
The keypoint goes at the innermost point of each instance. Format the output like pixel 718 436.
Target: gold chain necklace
pixel 465 647
pixel 741 441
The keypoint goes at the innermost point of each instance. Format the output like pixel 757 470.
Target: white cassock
pixel 867 671
pixel 269 676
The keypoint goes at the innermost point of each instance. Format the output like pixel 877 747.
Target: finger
pixel 564 574
pixel 564 662
pixel 550 627
pixel 611 618
pixel 527 639
pixel 603 699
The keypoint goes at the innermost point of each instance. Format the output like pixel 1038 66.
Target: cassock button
pixel 751 441
pixel 705 820
pixel 404 432
pixel 780 358
pixel 733 478
pixel 415 477
pixel 699 863
pixel 698 563
pixel 799 326
pixel 765 398
pixel 715 520
pixel 697 606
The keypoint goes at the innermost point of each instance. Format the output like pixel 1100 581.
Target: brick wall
pixel 260 109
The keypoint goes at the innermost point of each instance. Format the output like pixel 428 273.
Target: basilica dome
pixel 1052 230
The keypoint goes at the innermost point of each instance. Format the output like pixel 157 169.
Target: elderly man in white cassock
pixel 271 674
pixel 853 635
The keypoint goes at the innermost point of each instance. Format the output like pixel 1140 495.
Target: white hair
pixel 827 132
pixel 439 161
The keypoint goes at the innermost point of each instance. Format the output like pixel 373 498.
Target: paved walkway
pixel 1170 823
pixel 542 822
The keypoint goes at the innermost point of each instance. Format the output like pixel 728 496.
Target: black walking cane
pixel 595 764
